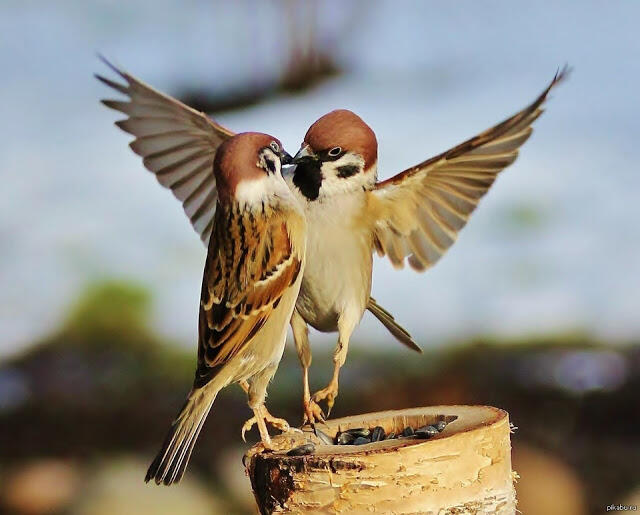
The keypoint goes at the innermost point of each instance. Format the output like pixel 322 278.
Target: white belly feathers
pixel 337 276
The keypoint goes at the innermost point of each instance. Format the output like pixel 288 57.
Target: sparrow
pixel 178 145
pixel 252 276
pixel 414 216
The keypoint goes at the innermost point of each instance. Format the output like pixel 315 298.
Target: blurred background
pixel 534 309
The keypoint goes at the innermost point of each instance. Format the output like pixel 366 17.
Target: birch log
pixel 464 469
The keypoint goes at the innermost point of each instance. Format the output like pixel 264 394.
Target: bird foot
pixel 312 412
pixel 329 394
pixel 278 423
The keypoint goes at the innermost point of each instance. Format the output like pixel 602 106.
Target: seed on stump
pixel 359 431
pixel 302 450
pixel 426 432
pixel 440 425
pixel 345 438
pixel 377 434
pixel 324 437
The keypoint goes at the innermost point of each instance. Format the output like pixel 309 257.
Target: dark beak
pixel 305 153
pixel 285 158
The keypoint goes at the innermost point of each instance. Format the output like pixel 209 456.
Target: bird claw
pixel 247 427
pixel 329 394
pixel 278 423
pixel 312 412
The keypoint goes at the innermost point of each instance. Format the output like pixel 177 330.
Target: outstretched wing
pixel 419 212
pixel 251 263
pixel 177 143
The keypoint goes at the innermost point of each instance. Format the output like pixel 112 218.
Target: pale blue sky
pixel 77 203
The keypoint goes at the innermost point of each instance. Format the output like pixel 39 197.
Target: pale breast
pixel 337 276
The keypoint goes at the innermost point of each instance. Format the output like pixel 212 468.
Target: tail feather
pixel 169 465
pixel 386 318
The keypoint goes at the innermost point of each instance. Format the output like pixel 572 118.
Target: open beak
pixel 305 153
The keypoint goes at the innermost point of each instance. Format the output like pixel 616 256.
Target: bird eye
pixel 274 146
pixel 335 151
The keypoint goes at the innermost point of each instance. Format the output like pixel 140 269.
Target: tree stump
pixel 464 469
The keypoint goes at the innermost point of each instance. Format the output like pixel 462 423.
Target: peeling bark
pixel 464 469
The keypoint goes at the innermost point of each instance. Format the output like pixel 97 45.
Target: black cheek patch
pixel 271 165
pixel 308 178
pixel 347 171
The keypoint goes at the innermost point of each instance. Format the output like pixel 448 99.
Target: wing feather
pixel 177 144
pixel 419 212
pixel 251 262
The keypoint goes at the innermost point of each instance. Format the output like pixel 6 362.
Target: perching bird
pixel 178 144
pixel 415 215
pixel 251 280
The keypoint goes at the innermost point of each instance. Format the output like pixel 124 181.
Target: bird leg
pixel 330 392
pixel 311 410
pixel 259 419
pixel 261 416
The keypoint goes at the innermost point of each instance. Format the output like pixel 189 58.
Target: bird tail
pixel 169 465
pixel 399 332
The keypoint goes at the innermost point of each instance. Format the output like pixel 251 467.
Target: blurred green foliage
pixel 110 306
pixel 106 385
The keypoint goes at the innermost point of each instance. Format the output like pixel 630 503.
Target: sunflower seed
pixel 345 439
pixel 440 425
pixel 426 432
pixel 324 437
pixel 390 436
pixel 361 440
pixel 408 431
pixel 377 434
pixel 302 450
pixel 359 431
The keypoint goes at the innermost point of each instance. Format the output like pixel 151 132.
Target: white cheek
pixel 250 191
pixel 258 190
pixel 346 160
pixel 332 184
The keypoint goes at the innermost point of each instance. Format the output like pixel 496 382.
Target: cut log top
pixel 464 469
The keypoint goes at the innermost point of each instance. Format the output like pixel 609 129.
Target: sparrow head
pixel 339 154
pixel 247 167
